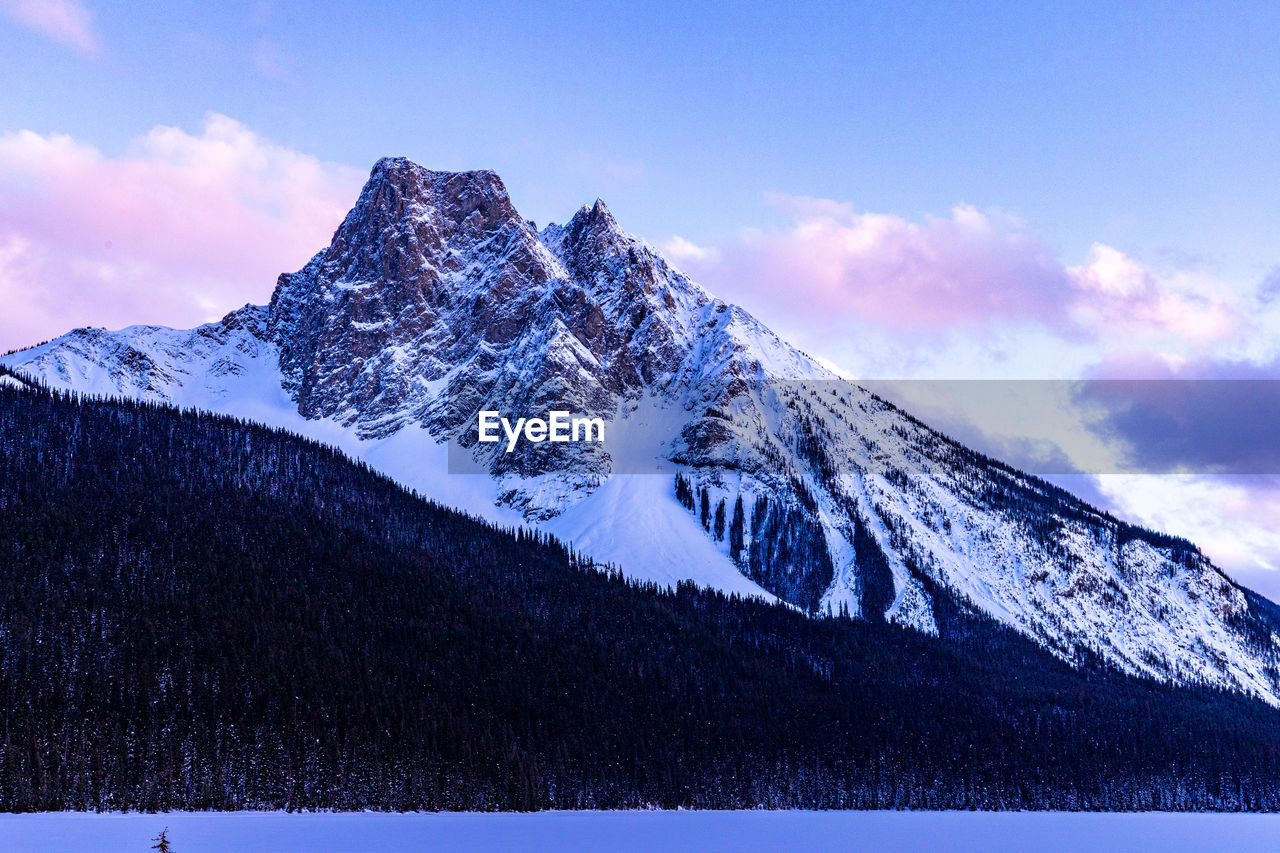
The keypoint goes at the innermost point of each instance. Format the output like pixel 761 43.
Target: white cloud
pixel 680 251
pixel 65 21
pixel 178 230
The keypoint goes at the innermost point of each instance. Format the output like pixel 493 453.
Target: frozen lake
pixel 624 832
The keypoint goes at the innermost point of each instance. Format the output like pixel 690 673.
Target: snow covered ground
pixel 623 832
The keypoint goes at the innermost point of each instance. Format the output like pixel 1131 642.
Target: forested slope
pixel 199 613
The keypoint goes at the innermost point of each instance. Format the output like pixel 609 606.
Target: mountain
pixel 733 459
pixel 327 640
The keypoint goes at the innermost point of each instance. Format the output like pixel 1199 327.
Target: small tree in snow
pixel 162 842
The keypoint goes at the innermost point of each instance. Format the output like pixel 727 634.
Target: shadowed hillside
pixel 199 613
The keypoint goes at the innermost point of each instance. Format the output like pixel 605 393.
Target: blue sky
pixel 908 189
pixel 1150 126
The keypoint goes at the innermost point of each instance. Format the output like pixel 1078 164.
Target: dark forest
pixel 198 613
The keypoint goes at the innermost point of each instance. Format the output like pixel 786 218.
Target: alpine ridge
pixel 737 461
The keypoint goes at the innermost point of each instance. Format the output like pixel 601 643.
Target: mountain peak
pixel 593 220
pixel 391 166
pixel 590 236
pixel 427 263
pixel 601 214
pixel 400 169
pixel 398 186
pixel 409 222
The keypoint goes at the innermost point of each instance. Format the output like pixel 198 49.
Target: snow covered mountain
pixel 734 459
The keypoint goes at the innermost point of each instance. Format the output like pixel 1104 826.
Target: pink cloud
pixel 967 268
pixel 970 270
pixel 1114 291
pixel 65 21
pixel 178 230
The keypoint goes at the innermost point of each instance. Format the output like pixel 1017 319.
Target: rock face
pixel 436 300
pixel 434 278
pixel 429 271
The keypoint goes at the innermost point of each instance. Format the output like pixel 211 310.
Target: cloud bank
pixel 177 230
pixel 980 274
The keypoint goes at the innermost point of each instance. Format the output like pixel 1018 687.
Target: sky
pixel 1025 190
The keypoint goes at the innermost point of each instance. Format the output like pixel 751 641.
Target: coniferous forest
pixel 199 613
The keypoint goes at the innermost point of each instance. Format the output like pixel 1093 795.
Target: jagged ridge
pixel 436 299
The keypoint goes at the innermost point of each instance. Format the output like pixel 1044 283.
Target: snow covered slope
pixel 436 300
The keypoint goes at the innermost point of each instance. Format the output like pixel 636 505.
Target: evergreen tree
pixel 736 530
pixel 705 514
pixel 162 842
pixel 684 492
pixel 719 523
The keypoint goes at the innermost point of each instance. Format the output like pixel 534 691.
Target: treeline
pixel 198 613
